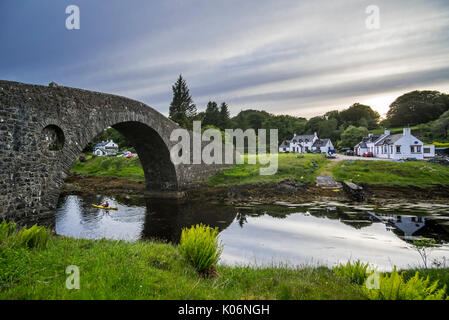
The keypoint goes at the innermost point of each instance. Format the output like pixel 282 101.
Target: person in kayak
pixel 106 204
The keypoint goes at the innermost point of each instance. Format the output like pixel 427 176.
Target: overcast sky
pixel 286 57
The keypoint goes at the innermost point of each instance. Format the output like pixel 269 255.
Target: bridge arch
pixel 43 129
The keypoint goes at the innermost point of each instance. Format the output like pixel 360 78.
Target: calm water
pixel 310 233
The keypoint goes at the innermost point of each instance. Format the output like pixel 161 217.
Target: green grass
pixel 382 173
pixel 110 269
pixel 289 167
pixel 114 167
pixel 148 270
pixel 385 173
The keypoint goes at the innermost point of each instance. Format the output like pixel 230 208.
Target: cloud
pixel 288 57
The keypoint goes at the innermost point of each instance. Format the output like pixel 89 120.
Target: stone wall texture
pixel 43 129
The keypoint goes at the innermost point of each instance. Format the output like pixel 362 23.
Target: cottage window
pixel 398 149
pixel 426 150
pixel 412 149
pixel 418 149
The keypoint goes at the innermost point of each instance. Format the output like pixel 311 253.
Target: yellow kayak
pixel 106 208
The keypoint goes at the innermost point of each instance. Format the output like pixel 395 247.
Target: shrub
pixel 356 273
pixel 199 244
pixel 395 287
pixel 7 229
pixel 34 237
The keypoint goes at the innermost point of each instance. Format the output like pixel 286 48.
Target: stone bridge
pixel 43 129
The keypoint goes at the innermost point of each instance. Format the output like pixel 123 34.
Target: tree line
pixel 427 111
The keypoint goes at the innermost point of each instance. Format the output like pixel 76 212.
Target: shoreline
pixel 263 193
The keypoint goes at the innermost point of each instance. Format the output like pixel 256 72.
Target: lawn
pixel 148 270
pixel 289 167
pixel 385 173
pixel 303 169
pixel 115 167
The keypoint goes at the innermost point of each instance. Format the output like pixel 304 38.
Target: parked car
pixel 349 153
pixel 343 150
pixel 368 154
pixel 132 155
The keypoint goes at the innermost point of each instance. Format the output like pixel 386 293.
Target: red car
pixel 368 154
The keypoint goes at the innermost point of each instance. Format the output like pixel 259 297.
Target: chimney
pixel 387 132
pixel 406 132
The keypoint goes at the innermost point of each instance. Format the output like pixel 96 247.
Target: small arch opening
pixel 53 138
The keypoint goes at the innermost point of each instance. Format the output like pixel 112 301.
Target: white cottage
pixel 106 148
pixel 397 146
pixel 323 145
pixel 306 143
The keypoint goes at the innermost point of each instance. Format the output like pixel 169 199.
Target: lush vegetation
pixel 114 167
pixel 393 285
pixel 356 272
pixel 110 269
pixel 417 107
pixel 385 173
pixel 147 270
pixel 302 168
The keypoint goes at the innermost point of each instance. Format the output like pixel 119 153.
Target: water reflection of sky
pixel 300 239
pixel 319 234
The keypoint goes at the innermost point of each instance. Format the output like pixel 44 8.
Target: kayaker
pixel 105 204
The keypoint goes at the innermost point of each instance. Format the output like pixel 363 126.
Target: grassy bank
pixel 385 173
pixel 289 167
pixel 303 169
pixel 147 270
pixel 114 167
pixel 111 269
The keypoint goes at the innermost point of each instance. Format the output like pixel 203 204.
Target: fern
pixel 395 287
pixel 356 272
pixel 201 247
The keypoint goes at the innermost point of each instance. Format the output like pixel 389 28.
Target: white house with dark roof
pixel 306 143
pixel 368 143
pixel 395 146
pixel 106 148
pixel 324 145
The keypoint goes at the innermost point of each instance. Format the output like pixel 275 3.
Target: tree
pixel 352 135
pixel 286 125
pixel 212 114
pixel 360 115
pixel 417 107
pixel 247 119
pixel 182 109
pixel 440 128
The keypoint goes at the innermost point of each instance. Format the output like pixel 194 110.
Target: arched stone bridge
pixel 43 129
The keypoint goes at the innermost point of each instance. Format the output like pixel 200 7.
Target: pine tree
pixel 182 109
pixel 212 114
pixel 224 116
